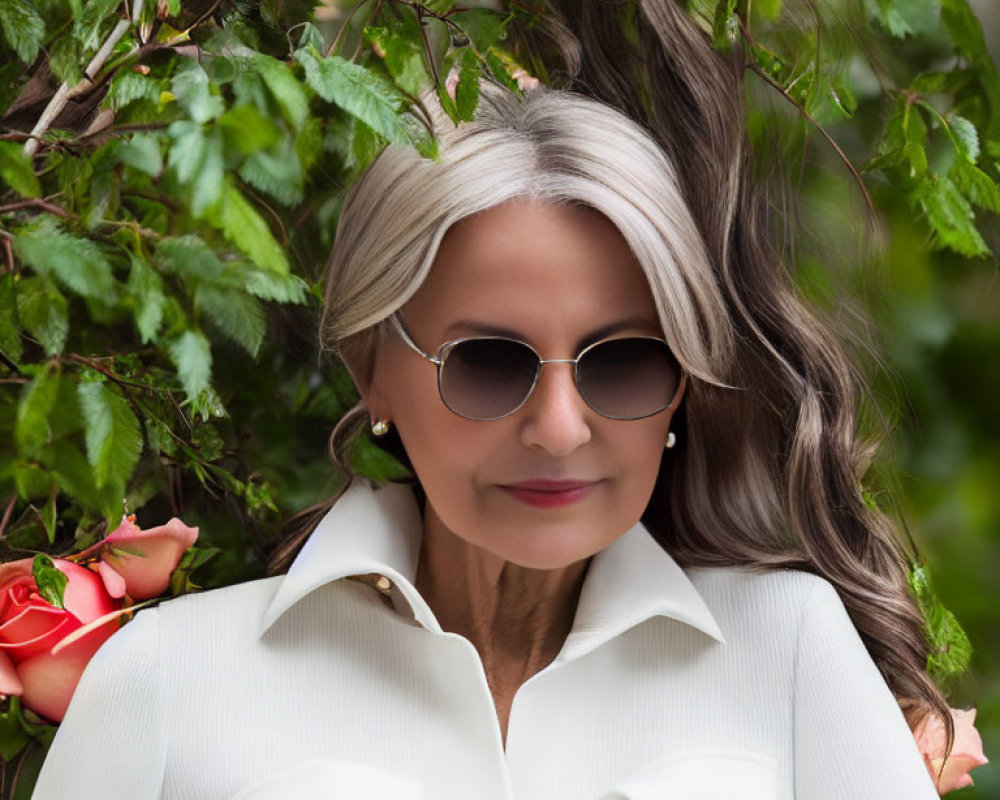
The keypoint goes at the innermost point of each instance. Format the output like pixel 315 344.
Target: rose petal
pixel 24 638
pixel 9 682
pixel 85 596
pixel 113 582
pixel 146 559
pixel 966 753
pixel 49 680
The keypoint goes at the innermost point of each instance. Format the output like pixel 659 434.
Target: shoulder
pixel 755 600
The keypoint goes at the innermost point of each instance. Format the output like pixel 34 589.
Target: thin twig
pixel 43 205
pixel 809 118
pixel 6 514
pixel 65 91
pixel 343 28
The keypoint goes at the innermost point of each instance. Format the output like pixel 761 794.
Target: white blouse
pixel 709 684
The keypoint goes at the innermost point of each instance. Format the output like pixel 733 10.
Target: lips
pixel 544 493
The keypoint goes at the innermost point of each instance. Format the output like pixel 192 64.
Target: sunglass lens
pixel 487 378
pixel 628 378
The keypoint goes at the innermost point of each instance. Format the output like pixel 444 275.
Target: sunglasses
pixel 490 377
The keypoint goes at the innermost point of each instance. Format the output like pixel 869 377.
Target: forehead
pixel 527 261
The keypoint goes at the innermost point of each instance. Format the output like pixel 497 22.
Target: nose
pixel 555 417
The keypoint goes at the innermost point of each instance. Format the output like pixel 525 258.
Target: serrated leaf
pixel 196 156
pixel 73 475
pixel 276 172
pixel 289 94
pixel 193 90
pixel 129 87
pixel 275 287
pixel 365 145
pixel 142 152
pixel 976 185
pixel 17 171
pixel 66 59
pixel 244 227
pixel 246 131
pixel 358 91
pixel 189 256
pixel 43 312
pixel 47 513
pixel 90 26
pixel 31 480
pixel 403 57
pixel 77 263
pixel 950 215
pixel 484 27
pixel 112 434
pixel 237 314
pixel 37 400
pixel 51 581
pixel 146 287
pixel 192 356
pixel 961 22
pixel 10 331
pixel 467 90
pixel 23 28
pixel 965 136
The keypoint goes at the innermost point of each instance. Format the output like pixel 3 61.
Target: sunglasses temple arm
pixel 409 342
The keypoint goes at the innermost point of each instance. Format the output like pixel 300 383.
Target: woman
pixel 594 387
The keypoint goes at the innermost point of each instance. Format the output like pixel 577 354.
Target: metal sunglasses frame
pixel 445 349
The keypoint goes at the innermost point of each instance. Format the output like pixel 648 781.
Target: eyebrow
pixel 485 329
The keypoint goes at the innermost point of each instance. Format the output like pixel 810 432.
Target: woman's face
pixel 556 277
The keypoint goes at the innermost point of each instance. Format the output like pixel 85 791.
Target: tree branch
pixel 65 91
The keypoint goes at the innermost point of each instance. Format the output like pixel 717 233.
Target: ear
pixel 679 394
pixel 362 363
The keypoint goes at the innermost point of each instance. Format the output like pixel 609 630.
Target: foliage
pixel 170 179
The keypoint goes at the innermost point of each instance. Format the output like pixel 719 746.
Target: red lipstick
pixel 548 493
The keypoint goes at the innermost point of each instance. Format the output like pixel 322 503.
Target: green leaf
pixel 22 27
pixel 286 90
pixel 31 480
pixel 976 185
pixel 192 356
pixel 276 172
pixel 244 227
pixel 965 136
pixel 725 28
pixel 51 581
pixel 403 56
pixel 359 91
pixel 483 26
pixel 88 27
pixel 371 461
pixel 193 90
pixel 16 169
pixel 74 475
pixel 38 398
pixel 47 513
pixel 142 152
pixel 188 256
pixel 146 287
pixel 467 90
pixel 10 331
pixel 130 87
pixel 950 648
pixel 113 436
pixel 950 215
pixel 79 264
pixel 275 287
pixel 13 738
pixel 197 161
pixel 961 22
pixel 905 17
pixel 246 131
pixel 43 312
pixel 238 315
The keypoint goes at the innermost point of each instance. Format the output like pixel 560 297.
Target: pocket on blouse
pixel 703 774
pixel 332 780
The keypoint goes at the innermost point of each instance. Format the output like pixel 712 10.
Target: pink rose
pixel 30 627
pixel 139 563
pixel 966 753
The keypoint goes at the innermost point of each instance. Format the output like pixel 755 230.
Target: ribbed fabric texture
pixel 344 696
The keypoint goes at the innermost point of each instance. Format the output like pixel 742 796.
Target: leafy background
pixel 167 203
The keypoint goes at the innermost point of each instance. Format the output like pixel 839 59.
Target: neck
pixel 516 617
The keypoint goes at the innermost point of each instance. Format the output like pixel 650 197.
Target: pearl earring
pixel 671 440
pixel 380 427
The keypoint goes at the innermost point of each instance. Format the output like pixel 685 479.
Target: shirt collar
pixel 379 531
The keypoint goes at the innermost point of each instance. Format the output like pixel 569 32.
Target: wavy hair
pixel 768 467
